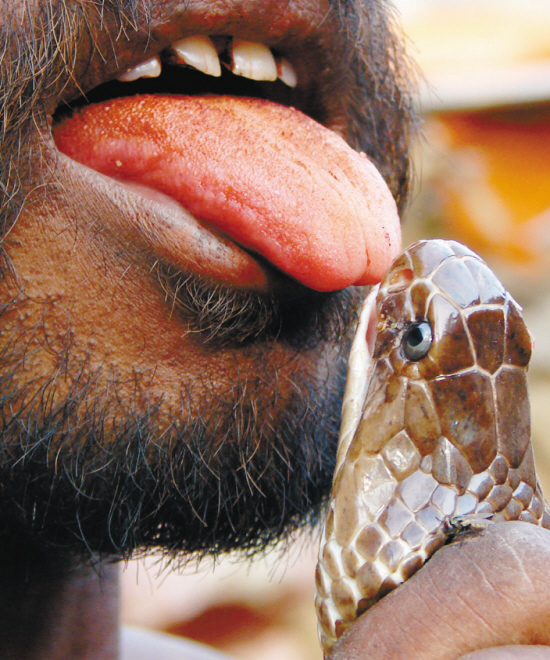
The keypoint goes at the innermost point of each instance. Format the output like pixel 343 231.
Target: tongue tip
pixel 378 258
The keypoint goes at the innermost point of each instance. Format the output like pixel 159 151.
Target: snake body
pixel 435 428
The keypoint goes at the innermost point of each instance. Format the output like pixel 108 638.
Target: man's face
pixel 162 388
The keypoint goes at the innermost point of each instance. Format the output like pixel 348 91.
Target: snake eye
pixel 417 340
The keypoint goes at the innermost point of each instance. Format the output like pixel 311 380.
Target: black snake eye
pixel 417 340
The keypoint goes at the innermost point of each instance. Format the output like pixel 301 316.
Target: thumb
pixel 485 590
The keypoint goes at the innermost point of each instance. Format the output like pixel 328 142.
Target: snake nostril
pixel 399 280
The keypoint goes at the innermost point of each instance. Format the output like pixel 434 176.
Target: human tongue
pixel 276 182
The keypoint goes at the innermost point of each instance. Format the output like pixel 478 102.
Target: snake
pixel 435 433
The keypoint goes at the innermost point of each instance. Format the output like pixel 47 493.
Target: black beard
pixel 299 317
pixel 229 476
pixel 226 476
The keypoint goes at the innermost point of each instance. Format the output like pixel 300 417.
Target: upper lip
pixel 305 32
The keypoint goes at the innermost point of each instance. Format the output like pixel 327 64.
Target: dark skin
pixel 127 427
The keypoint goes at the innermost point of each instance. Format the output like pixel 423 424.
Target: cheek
pixel 81 295
pixel 87 304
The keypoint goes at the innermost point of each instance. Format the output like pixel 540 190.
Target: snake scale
pixel 435 428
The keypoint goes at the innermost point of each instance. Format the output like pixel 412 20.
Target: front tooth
pixel 286 72
pixel 150 68
pixel 252 60
pixel 200 53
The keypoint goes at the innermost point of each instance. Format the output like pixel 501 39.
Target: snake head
pixel 449 331
pixel 436 426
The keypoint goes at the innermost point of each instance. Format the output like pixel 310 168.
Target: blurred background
pixel 483 177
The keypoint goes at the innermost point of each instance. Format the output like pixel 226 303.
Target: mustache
pixel 380 91
pixel 39 50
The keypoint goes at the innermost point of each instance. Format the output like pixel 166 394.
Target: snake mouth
pixel 360 366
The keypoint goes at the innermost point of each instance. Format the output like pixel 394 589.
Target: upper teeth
pixel 200 53
pixel 286 73
pixel 252 60
pixel 248 58
pixel 150 68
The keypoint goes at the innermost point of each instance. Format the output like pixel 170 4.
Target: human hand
pixel 480 598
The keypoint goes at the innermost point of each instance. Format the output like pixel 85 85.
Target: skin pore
pixel 144 407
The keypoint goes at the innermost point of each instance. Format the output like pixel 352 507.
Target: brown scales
pixel 438 438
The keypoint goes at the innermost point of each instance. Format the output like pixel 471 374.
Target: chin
pixel 238 471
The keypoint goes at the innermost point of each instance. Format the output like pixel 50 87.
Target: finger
pixel 485 590
pixel 510 653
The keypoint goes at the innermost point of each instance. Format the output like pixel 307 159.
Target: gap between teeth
pixel 249 59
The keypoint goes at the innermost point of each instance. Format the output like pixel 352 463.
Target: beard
pixel 87 476
pixel 90 473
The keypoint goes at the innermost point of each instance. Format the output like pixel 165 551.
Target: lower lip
pixel 177 237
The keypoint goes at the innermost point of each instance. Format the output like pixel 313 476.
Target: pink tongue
pixel 272 179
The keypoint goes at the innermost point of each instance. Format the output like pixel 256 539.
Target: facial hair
pixel 90 475
pixel 86 475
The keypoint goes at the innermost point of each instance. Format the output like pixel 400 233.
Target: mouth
pixel 199 65
pixel 235 148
